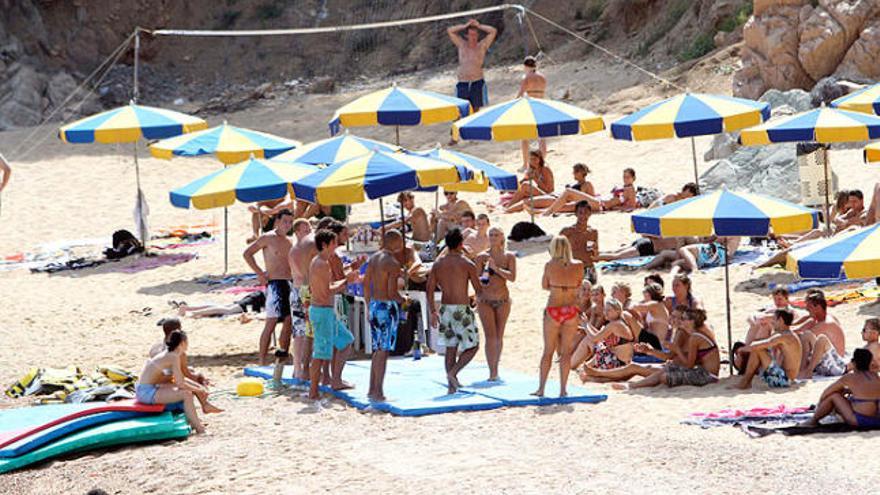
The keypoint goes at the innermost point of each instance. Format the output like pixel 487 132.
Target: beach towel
pixel 73 385
pixel 74 264
pixel 868 293
pixel 793 430
pixel 779 415
pixel 246 289
pixel 151 262
pixel 625 264
pixel 228 280
pixel 805 284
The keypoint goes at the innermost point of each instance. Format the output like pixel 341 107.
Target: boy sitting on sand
pixel 784 345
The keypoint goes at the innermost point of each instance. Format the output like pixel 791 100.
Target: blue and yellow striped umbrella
pixel 865 100
pixel 229 143
pixel 333 150
pixel 129 123
pixel 484 174
pixel 527 118
pixel 688 115
pixel 853 254
pixel 871 153
pixel 820 125
pixel 399 107
pixel 374 175
pixel 254 180
pixel 725 214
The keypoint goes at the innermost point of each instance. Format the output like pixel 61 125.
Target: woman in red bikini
pixel 562 277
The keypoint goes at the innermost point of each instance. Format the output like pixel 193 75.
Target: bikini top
pixel 701 353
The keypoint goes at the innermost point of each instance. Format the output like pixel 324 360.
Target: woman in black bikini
pixel 493 305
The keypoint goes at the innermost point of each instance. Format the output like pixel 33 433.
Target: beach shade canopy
pixel 248 182
pixel 333 150
pixel 527 118
pixel 130 123
pixel 872 153
pixel 484 174
pixel 399 107
pixel 229 143
pixel 374 175
pixel 820 125
pixel 688 115
pixel 865 100
pixel 854 254
pixel 725 214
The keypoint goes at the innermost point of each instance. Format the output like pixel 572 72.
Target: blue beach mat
pixel 418 388
pixel 43 437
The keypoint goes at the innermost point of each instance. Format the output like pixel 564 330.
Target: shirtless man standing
pixel 822 339
pixel 783 344
pixel 300 258
pixel 324 323
pixel 534 84
pixel 384 301
pixel 584 240
pixel 456 319
pixel 471 53
pixel 342 344
pixel 277 279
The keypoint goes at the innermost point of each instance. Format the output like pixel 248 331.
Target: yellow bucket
pixel 249 387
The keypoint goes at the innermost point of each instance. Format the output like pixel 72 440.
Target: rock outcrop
pixel 792 44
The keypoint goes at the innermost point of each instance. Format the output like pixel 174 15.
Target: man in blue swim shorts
pixel 471 53
pixel 383 298
pixel 778 358
pixel 325 325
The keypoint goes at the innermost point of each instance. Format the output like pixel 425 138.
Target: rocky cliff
pixel 48 47
pixel 795 43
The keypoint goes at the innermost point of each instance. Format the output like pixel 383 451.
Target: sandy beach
pixel 633 442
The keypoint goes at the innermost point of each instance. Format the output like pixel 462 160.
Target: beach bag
pixel 124 244
pixel 525 230
pixel 646 196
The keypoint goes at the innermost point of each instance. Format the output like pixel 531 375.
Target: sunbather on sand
pixel 695 361
pixel 541 184
pixel 153 387
pixel 855 396
pixel 822 339
pixel 455 318
pixel 622 198
pixel 566 201
pixel 710 254
pixel 777 358
pixel 653 313
pixel 622 293
pixel 647 246
pixel 254 301
pixel 612 348
pixel 688 190
pixel 761 324
pixel 563 276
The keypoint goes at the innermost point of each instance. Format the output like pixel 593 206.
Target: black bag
pixel 406 331
pixel 525 230
pixel 124 244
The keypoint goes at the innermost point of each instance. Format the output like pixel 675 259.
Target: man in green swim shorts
pixel 456 319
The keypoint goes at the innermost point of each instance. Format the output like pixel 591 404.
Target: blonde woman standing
pixel 562 277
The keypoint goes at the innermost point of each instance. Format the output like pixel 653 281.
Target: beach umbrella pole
pixel 727 302
pixel 694 155
pixel 142 225
pixel 827 189
pixel 397 135
pixel 531 201
pixel 225 240
pixel 382 218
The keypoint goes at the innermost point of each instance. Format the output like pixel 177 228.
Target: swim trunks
pixel 384 320
pixel 645 246
pixel 475 92
pixel 328 332
pixel 145 393
pixel 299 320
pixel 458 327
pixel 697 376
pixel 278 298
pixel 832 364
pixel 774 376
pixel 867 422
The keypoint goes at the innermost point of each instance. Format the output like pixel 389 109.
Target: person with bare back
pixel 277 278
pixel 455 318
pixel 471 54
pixel 300 257
pixel 384 301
